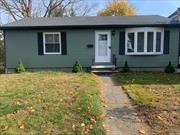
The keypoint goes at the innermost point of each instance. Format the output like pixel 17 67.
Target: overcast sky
pixel 143 7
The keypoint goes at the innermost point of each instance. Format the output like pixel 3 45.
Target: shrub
pixel 20 67
pixel 169 68
pixel 126 67
pixel 77 67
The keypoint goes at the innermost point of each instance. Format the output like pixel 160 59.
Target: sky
pixel 147 7
pixel 143 7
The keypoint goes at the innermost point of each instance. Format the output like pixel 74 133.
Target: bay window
pixel 144 41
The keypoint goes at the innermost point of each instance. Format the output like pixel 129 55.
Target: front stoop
pixel 104 69
pixel 178 70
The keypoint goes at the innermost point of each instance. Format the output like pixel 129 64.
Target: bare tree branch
pixel 18 9
pixel 4 5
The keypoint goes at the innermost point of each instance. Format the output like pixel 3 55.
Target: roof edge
pixel 84 26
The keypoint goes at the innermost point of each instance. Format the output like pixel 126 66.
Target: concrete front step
pixel 103 66
pixel 178 70
pixel 104 71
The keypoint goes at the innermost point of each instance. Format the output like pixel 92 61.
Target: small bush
pixel 77 67
pixel 20 67
pixel 126 67
pixel 169 68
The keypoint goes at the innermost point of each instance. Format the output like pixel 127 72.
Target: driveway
pixel 121 117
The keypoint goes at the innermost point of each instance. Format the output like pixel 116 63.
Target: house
pixel 175 17
pixel 145 42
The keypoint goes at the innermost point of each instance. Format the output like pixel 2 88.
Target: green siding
pixel 23 45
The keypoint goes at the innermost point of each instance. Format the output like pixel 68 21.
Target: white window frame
pixel 145 30
pixel 44 42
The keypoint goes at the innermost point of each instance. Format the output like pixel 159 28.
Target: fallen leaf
pixel 4 128
pixel 91 126
pixel 93 118
pixel 86 130
pixel 82 124
pixel 73 127
pixel 21 126
pixel 160 118
pixel 32 110
pixel 141 131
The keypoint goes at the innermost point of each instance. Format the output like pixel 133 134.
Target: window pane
pixel 56 38
pixel 102 37
pixel 140 42
pixel 150 41
pixel 130 42
pixel 49 38
pixel 52 48
pixel 158 42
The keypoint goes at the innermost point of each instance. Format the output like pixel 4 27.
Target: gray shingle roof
pixel 90 21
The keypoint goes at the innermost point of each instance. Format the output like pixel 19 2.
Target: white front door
pixel 102 46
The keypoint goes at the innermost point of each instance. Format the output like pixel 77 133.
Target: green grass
pixel 147 88
pixel 50 103
pixel 157 96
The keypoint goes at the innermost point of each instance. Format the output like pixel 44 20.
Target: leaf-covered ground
pixel 50 103
pixel 158 98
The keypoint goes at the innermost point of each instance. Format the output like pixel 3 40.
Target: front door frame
pixel 101 59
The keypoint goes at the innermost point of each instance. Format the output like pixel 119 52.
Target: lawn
pixel 157 96
pixel 50 103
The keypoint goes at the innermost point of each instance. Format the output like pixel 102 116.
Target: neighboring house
pixel 146 42
pixel 175 17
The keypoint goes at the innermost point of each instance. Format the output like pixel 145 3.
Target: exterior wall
pixel 23 44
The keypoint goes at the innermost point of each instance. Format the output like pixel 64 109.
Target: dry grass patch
pixel 50 103
pixel 158 98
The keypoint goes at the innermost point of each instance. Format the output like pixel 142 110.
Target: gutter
pixel 85 26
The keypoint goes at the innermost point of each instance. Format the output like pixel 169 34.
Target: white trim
pixel 44 48
pixel 105 58
pixel 145 30
pixel 135 41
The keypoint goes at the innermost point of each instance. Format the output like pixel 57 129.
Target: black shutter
pixel 63 43
pixel 122 43
pixel 40 43
pixel 166 42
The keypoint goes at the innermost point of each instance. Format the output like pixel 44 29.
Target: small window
pixel 52 43
pixel 130 42
pixel 102 37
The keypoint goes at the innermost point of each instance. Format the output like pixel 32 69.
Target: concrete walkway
pixel 121 118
